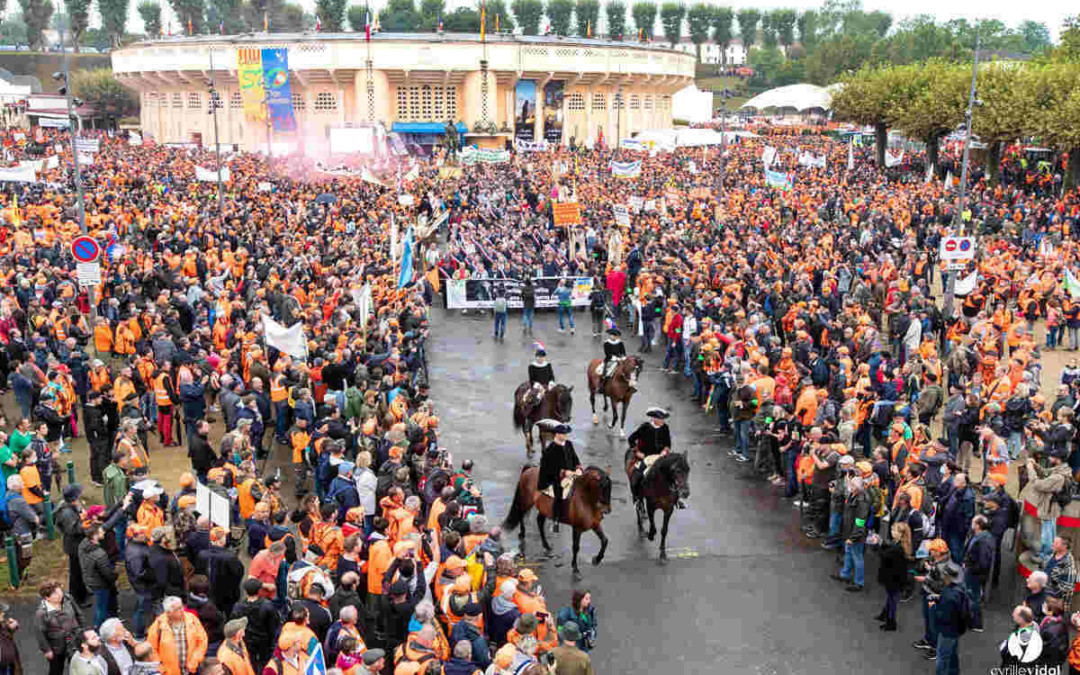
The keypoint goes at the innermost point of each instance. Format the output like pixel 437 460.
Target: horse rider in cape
pixel 614 351
pixel 558 461
pixel 650 441
pixel 541 377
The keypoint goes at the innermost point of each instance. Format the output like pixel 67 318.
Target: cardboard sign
pixel 567 213
pixel 622 215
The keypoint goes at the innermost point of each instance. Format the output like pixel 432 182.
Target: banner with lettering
pixel 275 64
pixel 471 155
pixel 481 293
pixel 249 72
pixel 625 169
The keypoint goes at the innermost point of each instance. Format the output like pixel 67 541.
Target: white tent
pixel 692 105
pixel 694 138
pixel 801 97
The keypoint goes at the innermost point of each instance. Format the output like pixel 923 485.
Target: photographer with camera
pixel 1049 490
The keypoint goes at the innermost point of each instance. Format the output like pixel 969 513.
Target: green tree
pixel 615 13
pixel 331 14
pixel 430 11
pixel 98 86
pixel 784 22
pixel 699 22
pixel 748 21
pixel 560 14
pixel 496 9
pixel 1035 35
pixel 78 20
pixel 150 13
pixel 838 54
pixel 644 17
pixel 13 31
pixel 1069 49
pixel 357 17
pixel 36 15
pixel 808 28
pixel 189 11
pixel 722 20
pixel 587 13
pixel 671 16
pixel 98 39
pixel 399 16
pixel 766 63
pixel 1055 118
pixel 1006 93
pixel 462 20
pixel 929 100
pixel 114 15
pixel 230 17
pixel 868 97
pixel 768 31
pixel 529 14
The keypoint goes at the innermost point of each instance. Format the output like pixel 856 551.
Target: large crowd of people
pixel 806 317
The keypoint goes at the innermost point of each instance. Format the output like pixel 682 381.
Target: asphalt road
pixel 743 587
pixel 743 590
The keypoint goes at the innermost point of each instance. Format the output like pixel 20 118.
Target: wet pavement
pixel 744 591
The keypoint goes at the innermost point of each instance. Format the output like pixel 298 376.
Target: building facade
pixel 712 54
pixel 411 83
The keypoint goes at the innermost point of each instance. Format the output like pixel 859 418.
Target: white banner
pixel 19 174
pixel 636 204
pixel 134 138
pixel 211 174
pixel 965 286
pixel 369 177
pixel 286 340
pixel 522 145
pixel 88 144
pixel 471 155
pixel 768 155
pixel 622 215
pixel 892 160
pixel 406 200
pixel 265 186
pixel 632 144
pixel 86 159
pixel 363 300
pixel 52 162
pixel 625 169
pixel 810 161
pixel 481 293
pixel 412 175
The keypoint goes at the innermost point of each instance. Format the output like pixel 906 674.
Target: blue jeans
pixel 144 609
pixel 742 437
pixel 281 419
pixel 948 657
pixel 500 324
pixel 104 606
pixel 121 535
pixel 1051 334
pixel 1047 532
pixel 647 335
pixel 568 313
pixel 527 317
pixel 853 563
pixel 686 359
pixel 1074 337
pixel 974 589
pixel 672 355
pixel 790 460
pixel 835 520
pixel 930 630
pixel 892 601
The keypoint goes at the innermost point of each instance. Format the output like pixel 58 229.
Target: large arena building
pixel 495 91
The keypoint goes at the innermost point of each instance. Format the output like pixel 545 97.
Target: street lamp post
pixel 215 103
pixel 958 217
pixel 65 90
pixel 723 142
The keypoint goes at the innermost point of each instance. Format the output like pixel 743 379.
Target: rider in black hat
pixel 558 459
pixel 541 376
pixel 613 349
pixel 651 438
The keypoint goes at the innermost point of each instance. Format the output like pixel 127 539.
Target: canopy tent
pixel 692 104
pixel 801 97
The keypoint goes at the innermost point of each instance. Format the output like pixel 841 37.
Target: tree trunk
pixel 993 162
pixel 932 150
pixel 881 141
pixel 1072 174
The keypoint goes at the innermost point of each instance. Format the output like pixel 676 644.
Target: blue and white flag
pixel 406 276
pixel 626 169
pixel 316 664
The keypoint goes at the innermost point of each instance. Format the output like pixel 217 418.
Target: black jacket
pixel 94 424
pixel 97 570
pixel 137 562
pixel 201 453
pixel 649 439
pixel 555 459
pixel 319 619
pixel 69 522
pixel 856 516
pixel 263 624
pixel 168 573
pixel 892 574
pixel 110 662
pixel 979 555
pixel 225 573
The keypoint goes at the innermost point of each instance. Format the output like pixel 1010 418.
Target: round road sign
pixel 85 249
pixel 950 245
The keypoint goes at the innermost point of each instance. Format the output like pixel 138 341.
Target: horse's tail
pixel 517 510
pixel 519 417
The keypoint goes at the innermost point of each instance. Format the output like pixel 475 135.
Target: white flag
pixel 929 174
pixel 892 160
pixel 768 155
pixel 369 177
pixel 362 298
pixel 948 180
pixel 851 156
pixel 966 286
pixel 286 340
pixel 210 175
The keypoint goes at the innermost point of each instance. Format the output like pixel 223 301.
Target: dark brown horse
pixel 556 404
pixel 583 509
pixel 664 485
pixel 620 388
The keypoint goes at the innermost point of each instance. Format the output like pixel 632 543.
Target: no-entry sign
pixel 957 248
pixel 85 249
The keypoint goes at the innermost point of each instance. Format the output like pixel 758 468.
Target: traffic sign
pixel 89 274
pixel 85 249
pixel 957 248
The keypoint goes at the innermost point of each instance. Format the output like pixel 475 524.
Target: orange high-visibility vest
pixel 161 391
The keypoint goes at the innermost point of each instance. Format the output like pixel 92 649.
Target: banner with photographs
pixel 275 63
pixel 525 110
pixel 553 112
pixel 481 293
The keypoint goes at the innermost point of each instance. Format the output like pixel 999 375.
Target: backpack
pixel 5 517
pixel 877 501
pixel 964 614
pixel 1064 496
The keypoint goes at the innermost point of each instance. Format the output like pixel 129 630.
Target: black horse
pixel 557 403
pixel 664 485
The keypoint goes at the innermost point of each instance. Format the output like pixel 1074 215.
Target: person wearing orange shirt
pixel 233 653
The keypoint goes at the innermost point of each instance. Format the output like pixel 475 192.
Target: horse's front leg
pixel 650 508
pixel 577 545
pixel 663 533
pixel 592 404
pixel 599 530
pixel 543 535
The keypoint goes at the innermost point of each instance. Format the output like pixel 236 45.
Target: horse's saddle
pixel 567 488
pixel 612 365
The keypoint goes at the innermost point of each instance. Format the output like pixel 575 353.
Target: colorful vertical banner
pixel 525 110
pixel 249 71
pixel 553 111
pixel 275 63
